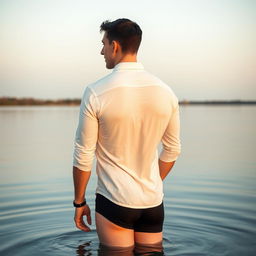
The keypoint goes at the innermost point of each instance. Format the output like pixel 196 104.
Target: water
pixel 210 199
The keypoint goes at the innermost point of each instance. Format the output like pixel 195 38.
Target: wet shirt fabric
pixel 123 118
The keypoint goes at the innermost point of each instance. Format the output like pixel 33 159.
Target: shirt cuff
pixel 166 156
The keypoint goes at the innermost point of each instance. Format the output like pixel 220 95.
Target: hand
pixel 78 218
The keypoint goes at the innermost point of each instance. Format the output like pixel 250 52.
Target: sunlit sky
pixel 203 49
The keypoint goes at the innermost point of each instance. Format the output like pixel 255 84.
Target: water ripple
pixel 210 197
pixel 203 217
pixel 214 220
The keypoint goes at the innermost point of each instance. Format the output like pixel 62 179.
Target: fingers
pixel 89 219
pixel 81 225
pixel 79 212
pixel 87 212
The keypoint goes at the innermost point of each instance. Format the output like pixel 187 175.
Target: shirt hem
pixel 131 206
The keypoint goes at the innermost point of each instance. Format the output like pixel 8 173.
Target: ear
pixel 115 47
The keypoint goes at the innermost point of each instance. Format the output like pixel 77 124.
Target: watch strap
pixel 79 205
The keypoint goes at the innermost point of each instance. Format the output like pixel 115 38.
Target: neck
pixel 127 58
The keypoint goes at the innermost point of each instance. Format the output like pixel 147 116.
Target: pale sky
pixel 203 49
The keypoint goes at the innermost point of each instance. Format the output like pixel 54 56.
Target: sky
pixel 203 49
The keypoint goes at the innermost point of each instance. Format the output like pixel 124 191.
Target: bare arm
pixel 165 168
pixel 81 179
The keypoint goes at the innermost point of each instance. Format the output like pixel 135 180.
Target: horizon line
pixel 21 101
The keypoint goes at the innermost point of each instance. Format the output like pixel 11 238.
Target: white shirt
pixel 123 118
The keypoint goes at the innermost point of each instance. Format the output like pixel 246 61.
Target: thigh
pixel 111 234
pixel 148 238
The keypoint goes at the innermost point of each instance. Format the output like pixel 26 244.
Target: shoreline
pixel 12 101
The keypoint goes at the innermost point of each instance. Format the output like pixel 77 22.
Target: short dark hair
pixel 125 31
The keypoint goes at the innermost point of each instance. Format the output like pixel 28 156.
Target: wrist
pixel 79 203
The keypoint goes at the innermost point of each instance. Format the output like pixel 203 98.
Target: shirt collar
pixel 128 66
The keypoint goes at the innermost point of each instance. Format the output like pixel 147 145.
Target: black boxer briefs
pixel 149 220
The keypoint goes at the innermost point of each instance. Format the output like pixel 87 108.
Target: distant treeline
pixel 12 101
pixel 218 102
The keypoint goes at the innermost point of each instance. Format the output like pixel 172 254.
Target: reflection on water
pixel 137 249
pixel 210 196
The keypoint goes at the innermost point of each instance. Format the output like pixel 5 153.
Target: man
pixel 123 118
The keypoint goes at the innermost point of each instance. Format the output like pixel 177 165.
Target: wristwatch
pixel 79 205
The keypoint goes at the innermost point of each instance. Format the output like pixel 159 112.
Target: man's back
pixel 123 117
pixel 134 111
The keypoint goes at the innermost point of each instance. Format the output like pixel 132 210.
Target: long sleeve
pixel 171 139
pixel 87 132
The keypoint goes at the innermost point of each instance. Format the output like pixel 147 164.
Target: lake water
pixel 210 196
